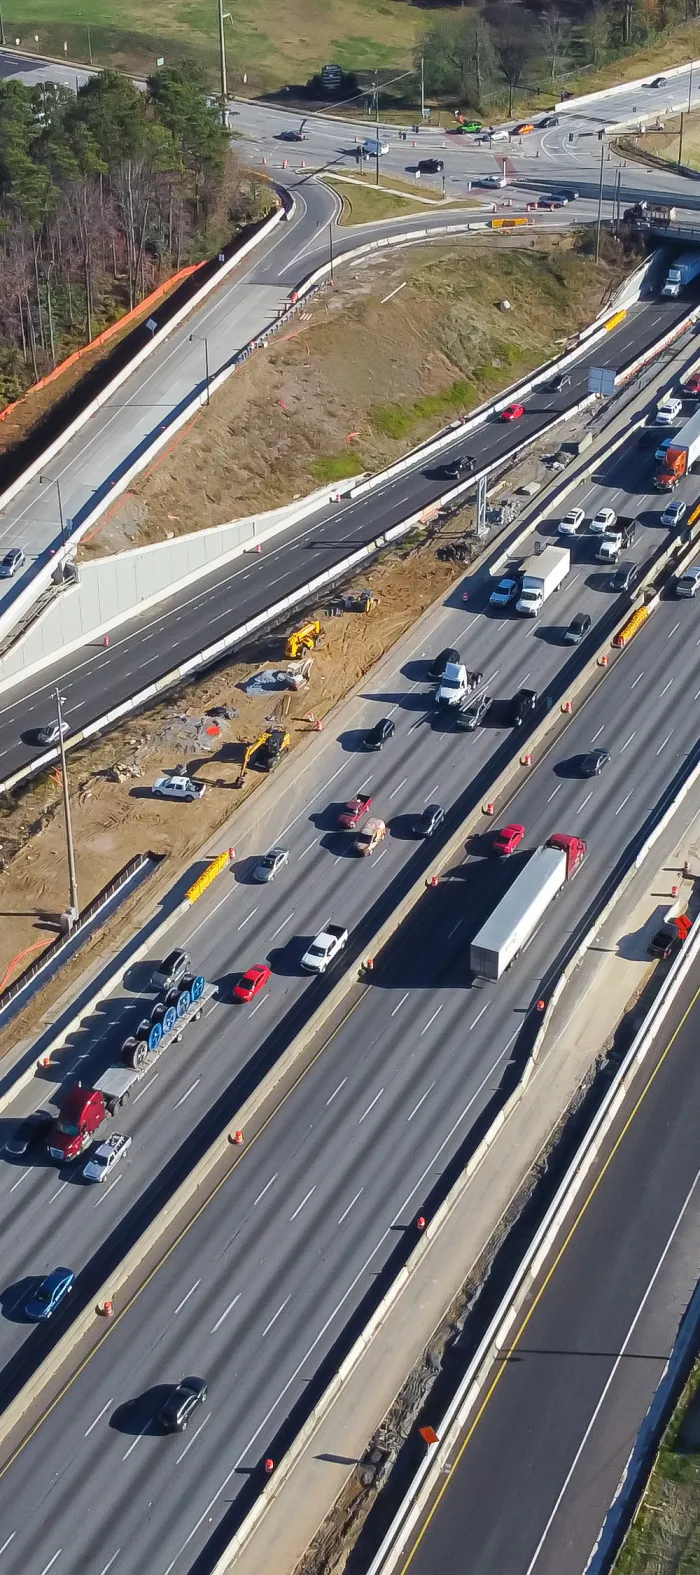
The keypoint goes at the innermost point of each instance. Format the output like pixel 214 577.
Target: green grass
pixel 399 420
pixel 335 467
pixel 665 1537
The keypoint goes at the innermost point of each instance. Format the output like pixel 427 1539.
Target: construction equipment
pixel 363 602
pixel 266 751
pixel 304 639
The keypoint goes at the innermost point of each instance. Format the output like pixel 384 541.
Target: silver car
pixel 271 864
pixel 51 733
pixel 13 560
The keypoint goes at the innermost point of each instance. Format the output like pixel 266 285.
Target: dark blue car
pixel 49 1294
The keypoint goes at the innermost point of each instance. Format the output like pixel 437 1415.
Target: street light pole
pixel 690 94
pixel 330 249
pixel 222 51
pixel 376 131
pixel 600 201
pixel 422 88
pixel 57 485
pixel 74 910
pixel 202 338
pixel 2 29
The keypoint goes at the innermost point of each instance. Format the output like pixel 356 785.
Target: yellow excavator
pixel 304 639
pixel 266 751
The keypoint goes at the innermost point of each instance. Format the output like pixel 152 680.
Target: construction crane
pixel 304 639
pixel 268 748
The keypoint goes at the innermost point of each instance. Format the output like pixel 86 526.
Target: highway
pixel 267 1278
pixel 543 1458
pixel 94 679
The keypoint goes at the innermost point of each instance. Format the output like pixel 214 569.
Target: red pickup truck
pixel 354 811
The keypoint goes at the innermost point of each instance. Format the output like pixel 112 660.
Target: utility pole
pixel 2 29
pixel 422 88
pixel 330 249
pixel 74 910
pixel 222 50
pixel 600 200
pixel 683 114
pixel 57 485
pixel 376 132
pixel 89 43
pixel 202 339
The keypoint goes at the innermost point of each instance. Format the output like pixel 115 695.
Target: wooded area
pixel 104 193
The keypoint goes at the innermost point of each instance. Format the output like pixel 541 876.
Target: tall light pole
pixel 50 480
pixel 422 88
pixel 600 200
pixel 2 29
pixel 222 52
pixel 202 338
pixel 74 910
pixel 376 129
pixel 687 112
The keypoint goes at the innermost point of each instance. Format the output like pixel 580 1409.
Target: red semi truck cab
pixel 574 847
pixel 82 1112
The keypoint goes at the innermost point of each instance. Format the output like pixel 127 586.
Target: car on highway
pixel 550 203
pixel 453 685
pixel 437 668
pixel 513 412
pixel 30 1133
pixel 291 136
pixel 505 592
pixel 52 732
pixel 674 513
pixel 42 1302
pixel 270 865
pixel 668 411
pixel 470 125
pixel 169 973
pixel 369 837
pixel 377 736
pixel 429 820
pixel 508 839
pixel 692 386
pixel 456 468
pixel 688 584
pixel 624 578
pixel 664 943
pixel 492 181
pixel 524 129
pixel 178 787
pixel 430 166
pixel 661 450
pixel 522 706
pixel 374 147
pixel 602 522
pixel 547 122
pixel 13 561
pixel 657 82
pixel 595 762
pixel 571 522
pixel 181 1404
pixel 103 1159
pixel 472 713
pixel 252 982
pixel 326 946
pixel 578 628
pixel 558 383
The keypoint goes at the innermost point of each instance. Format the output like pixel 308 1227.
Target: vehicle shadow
pixel 401 827
pixel 570 768
pixel 285 961
pixel 404 701
pixel 353 741
pixel 140 1415
pixel 14 1297
pixel 341 843
pixel 243 870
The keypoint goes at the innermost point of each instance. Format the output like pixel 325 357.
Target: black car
pixel 578 629
pixel 379 734
pixel 450 654
pixel 658 82
pixel 522 706
pixel 425 824
pixel 291 136
pixel 169 973
pixel 472 712
pixel 430 166
pixel 30 1133
pixel 625 576
pixel 547 120
pixel 456 468
pixel 664 943
pixel 593 764
pixel 562 380
pixel 180 1405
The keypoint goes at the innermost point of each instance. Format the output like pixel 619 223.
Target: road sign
pixel 601 380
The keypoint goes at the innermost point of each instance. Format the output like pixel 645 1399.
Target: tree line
pixel 104 193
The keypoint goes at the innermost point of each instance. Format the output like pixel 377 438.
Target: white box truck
pixel 542 574
pixel 681 272
pixel 517 915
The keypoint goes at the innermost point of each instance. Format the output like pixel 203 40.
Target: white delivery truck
pixel 517 915
pixel 541 575
pixel 681 272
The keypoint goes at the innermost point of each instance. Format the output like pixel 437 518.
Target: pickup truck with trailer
pixel 515 919
pixel 541 575
pixel 84 1110
pixel 680 456
pixel 324 948
pixel 354 811
pixel 682 272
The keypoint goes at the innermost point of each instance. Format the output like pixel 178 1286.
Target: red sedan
pixel 693 384
pixel 508 839
pixel 512 412
pixel 252 982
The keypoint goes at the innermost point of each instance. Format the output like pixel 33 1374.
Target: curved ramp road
pixel 542 1461
pixel 270 1273
pixel 94 679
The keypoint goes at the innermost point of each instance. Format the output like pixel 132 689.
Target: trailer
pixel 156 1033
pixel 681 454
pixel 681 273
pixel 542 574
pixel 515 919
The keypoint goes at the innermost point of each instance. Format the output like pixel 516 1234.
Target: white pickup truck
pixel 327 945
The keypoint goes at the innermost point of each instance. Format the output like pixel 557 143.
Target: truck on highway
pixel 682 271
pixel 515 919
pixel 649 213
pixel 681 454
pixel 353 812
pixel 324 948
pixel 542 574
pixel 85 1109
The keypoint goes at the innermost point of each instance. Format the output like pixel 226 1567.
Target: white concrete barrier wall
pixel 573 104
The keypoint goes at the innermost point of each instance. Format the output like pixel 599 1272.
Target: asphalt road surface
pixel 269 1275
pixel 93 680
pixel 542 1462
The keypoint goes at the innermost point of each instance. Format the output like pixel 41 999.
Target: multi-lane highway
pixel 94 680
pixel 543 1458
pixel 266 1279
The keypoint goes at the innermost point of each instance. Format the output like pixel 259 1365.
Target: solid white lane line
pixel 554 794
pixel 300 1206
pixel 226 1312
pixel 58 1192
pixel 398 789
pixel 98 1418
pixel 110 1562
pixel 186 1298
pixel 350 1206
pixel 480 1015
pixel 110 1188
pixel 186 1095
pixel 585 801
pixel 637 680
pixel 663 745
pixel 22 1178
pixel 370 1107
pixel 421 1101
pixel 149 1084
pixel 193 1439
pixel 280 927
pixel 627 741
pixel 51 1562
pixel 247 917
pixel 431 1020
pixel 7 1543
pixel 265 1189
pixel 396 1009
pixel 308 847
pixel 268 1326
pixel 666 686
pixel 624 801
pixel 336 1091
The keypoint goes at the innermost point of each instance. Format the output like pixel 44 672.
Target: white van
pixel 372 147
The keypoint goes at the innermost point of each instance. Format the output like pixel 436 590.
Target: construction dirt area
pixel 207 724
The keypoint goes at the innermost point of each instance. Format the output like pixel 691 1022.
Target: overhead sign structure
pixel 601 380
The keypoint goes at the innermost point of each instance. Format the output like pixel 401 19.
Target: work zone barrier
pixel 632 627
pixel 221 862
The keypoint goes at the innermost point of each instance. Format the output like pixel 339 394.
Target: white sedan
pixel 602 522
pixel 104 1158
pixel 571 523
